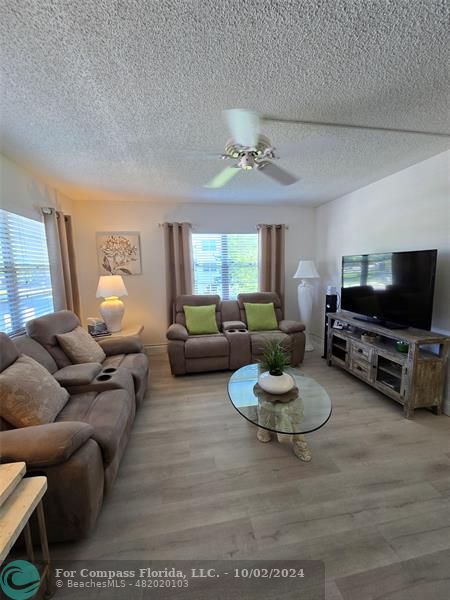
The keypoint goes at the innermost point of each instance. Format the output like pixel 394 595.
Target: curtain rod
pixel 256 226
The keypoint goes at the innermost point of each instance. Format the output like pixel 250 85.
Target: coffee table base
pixel 299 444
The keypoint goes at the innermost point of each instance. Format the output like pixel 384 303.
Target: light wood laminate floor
pixel 374 503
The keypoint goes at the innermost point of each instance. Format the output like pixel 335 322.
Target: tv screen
pixel 392 288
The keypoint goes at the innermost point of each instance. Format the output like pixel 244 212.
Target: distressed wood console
pixel 415 379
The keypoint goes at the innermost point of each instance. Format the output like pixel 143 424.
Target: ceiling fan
pixel 249 150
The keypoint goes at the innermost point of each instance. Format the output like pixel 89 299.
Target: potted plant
pixel 274 380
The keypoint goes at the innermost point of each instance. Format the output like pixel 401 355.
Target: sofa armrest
pixel 177 332
pixel 131 344
pixel 227 325
pixel 43 445
pixel 291 326
pixel 80 374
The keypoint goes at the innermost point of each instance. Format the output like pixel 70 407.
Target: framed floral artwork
pixel 119 253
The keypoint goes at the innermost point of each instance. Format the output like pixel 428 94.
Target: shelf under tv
pixel 415 379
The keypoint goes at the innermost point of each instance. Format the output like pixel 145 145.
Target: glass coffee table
pixel 303 410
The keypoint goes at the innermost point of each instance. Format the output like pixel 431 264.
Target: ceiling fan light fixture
pixel 247 162
pixel 249 149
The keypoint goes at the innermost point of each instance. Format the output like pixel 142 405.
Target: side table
pixel 19 498
pixel 135 330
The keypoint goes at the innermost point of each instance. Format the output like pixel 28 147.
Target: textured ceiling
pixel 118 96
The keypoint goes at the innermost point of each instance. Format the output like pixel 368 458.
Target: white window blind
pixel 225 264
pixel 25 285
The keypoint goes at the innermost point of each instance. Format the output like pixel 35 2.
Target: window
pixel 25 286
pixel 225 264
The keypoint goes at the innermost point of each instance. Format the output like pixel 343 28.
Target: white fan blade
pixel 244 126
pixel 222 178
pixel 277 173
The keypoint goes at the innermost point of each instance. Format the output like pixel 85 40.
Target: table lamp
pixel 111 288
pixel 306 270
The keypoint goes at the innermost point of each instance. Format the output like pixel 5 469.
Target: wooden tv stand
pixel 415 379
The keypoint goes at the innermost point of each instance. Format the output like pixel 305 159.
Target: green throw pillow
pixel 260 317
pixel 201 319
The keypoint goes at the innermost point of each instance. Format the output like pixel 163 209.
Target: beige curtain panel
pixel 61 254
pixel 179 267
pixel 271 260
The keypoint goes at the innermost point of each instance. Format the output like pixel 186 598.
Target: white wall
pixel 23 194
pixel 146 301
pixel 409 210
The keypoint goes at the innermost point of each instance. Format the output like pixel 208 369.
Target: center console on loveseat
pixel 93 377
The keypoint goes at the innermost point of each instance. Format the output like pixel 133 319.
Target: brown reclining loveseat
pixel 234 346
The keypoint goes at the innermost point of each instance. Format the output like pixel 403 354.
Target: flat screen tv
pixel 394 289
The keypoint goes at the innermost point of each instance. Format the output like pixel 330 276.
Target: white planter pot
pixel 276 384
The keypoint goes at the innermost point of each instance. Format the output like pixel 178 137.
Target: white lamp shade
pixel 111 285
pixel 306 270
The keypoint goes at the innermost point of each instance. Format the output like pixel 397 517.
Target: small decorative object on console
pixel 274 380
pixel 369 336
pixel 97 327
pixel 402 347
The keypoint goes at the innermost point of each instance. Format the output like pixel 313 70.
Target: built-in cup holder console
pixel 106 374
pixel 236 331
pixel 104 377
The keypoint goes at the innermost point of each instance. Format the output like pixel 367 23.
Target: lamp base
pixel 112 310
pixel 305 301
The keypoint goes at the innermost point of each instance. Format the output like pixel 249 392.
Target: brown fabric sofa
pixel 234 346
pixel 80 452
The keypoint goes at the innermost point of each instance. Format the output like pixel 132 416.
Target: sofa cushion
pixel 202 346
pixel 44 330
pixel 260 316
pixel 201 319
pixel 9 353
pixel 80 347
pixel 109 413
pixel 260 298
pixel 196 300
pixel 259 340
pixel 26 345
pixel 29 395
